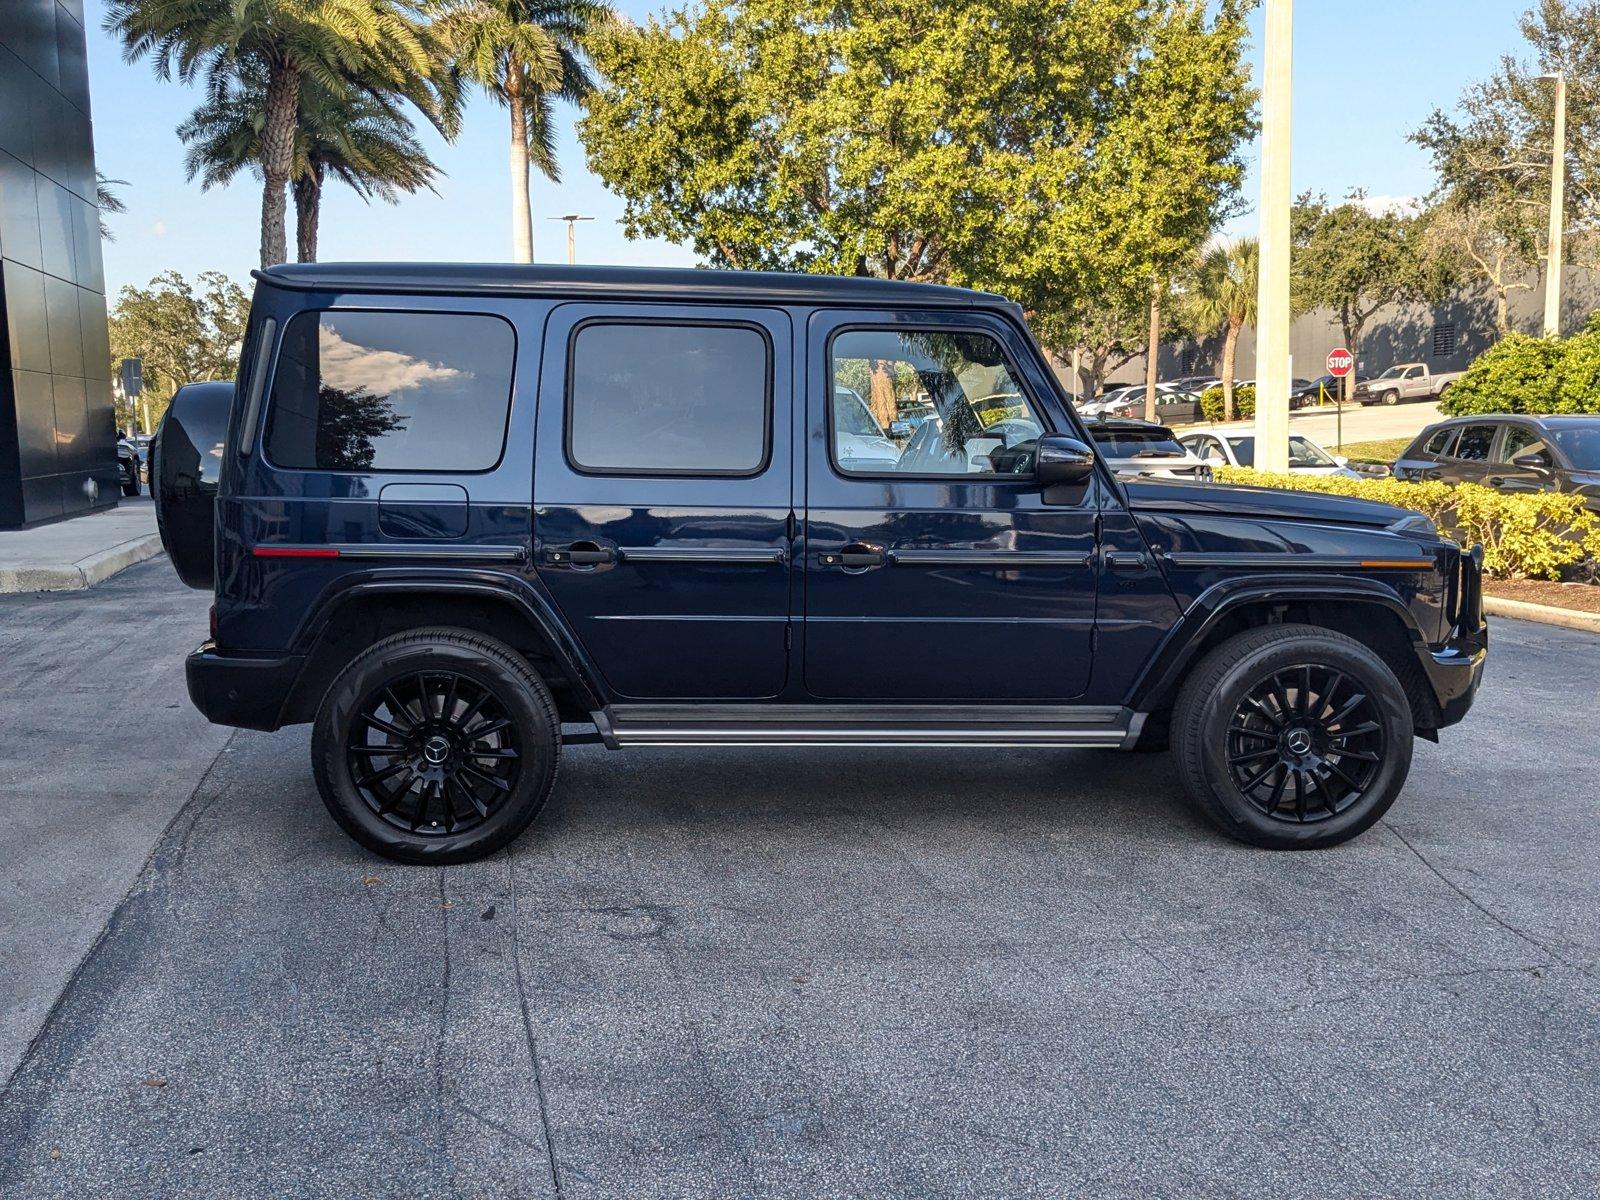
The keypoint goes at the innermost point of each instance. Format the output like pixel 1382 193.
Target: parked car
pixel 128 466
pixel 1144 448
pixel 1406 381
pixel 861 440
pixel 1322 388
pixel 910 420
pixel 461 516
pixel 1305 456
pixel 1171 404
pixel 1512 453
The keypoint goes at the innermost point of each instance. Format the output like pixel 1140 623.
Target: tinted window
pixel 1581 445
pixel 1441 441
pixel 367 391
pixel 655 399
pixel 928 403
pixel 1519 441
pixel 1135 443
pixel 1475 442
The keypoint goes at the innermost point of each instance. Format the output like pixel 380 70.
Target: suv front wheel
pixel 436 746
pixel 1292 737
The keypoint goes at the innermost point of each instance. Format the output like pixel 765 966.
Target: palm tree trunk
pixel 1152 354
pixel 307 214
pixel 277 159
pixel 521 203
pixel 1230 346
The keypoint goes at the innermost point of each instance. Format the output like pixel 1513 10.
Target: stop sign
pixel 1340 361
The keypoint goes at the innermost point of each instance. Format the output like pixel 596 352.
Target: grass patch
pixel 1385 450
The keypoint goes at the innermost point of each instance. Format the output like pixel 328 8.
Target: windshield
pixel 1302 453
pixel 1136 443
pixel 851 415
pixel 1394 372
pixel 1581 445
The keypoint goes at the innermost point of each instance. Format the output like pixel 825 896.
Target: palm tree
pixel 526 54
pixel 360 138
pixel 290 42
pixel 108 200
pixel 1224 293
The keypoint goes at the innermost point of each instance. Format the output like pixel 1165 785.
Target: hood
pixel 1232 500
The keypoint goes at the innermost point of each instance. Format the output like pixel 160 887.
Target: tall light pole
pixel 1558 204
pixel 1272 295
pixel 572 220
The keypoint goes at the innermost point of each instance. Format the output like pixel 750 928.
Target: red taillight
pixel 295 552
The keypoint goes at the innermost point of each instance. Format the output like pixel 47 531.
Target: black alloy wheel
pixel 1305 743
pixel 1292 736
pixel 436 746
pixel 433 752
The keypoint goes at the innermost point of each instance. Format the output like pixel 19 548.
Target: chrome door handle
pixel 854 556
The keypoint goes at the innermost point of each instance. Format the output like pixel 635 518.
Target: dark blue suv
pixel 456 517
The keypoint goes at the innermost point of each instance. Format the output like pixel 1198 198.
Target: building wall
pixel 57 424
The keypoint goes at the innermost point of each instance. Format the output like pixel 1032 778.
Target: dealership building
pixel 57 423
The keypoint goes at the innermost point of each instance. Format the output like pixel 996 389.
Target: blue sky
pixel 1366 73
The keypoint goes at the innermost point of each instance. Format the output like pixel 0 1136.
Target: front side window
pixel 1520 441
pixel 928 403
pixel 387 391
pixel 1475 442
pixel 664 398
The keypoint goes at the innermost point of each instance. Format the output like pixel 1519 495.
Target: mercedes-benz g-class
pixel 457 517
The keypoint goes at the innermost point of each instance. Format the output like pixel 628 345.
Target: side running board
pixel 1100 727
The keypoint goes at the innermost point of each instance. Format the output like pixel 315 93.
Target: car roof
pixel 1124 425
pixel 1555 422
pixel 672 283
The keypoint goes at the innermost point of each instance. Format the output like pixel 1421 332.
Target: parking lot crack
pixel 527 1028
pixel 1472 900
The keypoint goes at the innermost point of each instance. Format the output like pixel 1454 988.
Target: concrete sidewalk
pixel 81 552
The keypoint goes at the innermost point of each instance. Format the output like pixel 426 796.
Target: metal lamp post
pixel 572 220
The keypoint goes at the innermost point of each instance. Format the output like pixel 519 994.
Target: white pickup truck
pixel 1406 381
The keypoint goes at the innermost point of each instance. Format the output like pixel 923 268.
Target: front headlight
pixel 1416 525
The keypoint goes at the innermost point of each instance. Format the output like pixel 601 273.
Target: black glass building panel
pixel 57 429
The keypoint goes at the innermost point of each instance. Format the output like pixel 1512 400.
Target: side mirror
pixel 1537 461
pixel 1062 461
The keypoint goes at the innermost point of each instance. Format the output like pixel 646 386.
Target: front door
pixel 935 569
pixel 662 501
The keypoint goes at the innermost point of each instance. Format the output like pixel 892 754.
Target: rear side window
pixel 1475 442
pixel 668 398
pixel 1441 441
pixel 387 391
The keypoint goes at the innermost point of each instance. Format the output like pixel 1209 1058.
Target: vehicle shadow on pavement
pixel 798 972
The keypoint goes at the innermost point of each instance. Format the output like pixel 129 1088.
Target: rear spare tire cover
pixel 185 459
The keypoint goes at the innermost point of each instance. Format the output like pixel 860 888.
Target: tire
pixel 1223 733
pixel 433 693
pixel 130 484
pixel 1391 397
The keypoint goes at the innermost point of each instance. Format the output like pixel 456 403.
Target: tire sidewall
pixel 1247 821
pixel 516 690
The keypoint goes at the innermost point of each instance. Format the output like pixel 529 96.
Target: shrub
pixel 1525 535
pixel 1244 402
pixel 1517 374
pixel 1577 383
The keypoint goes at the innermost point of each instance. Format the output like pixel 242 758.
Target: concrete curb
pixel 1547 614
pixel 84 573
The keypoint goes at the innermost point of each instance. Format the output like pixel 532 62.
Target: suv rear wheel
pixel 436 746
pixel 1292 737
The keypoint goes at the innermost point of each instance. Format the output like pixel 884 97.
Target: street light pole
pixel 1558 190
pixel 572 220
pixel 1272 296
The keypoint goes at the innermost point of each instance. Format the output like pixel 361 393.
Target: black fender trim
pixel 1177 650
pixel 483 585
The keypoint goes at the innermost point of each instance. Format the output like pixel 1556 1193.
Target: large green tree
pixel 379 43
pixel 1070 153
pixel 183 331
pixel 363 139
pixel 526 55
pixel 1355 259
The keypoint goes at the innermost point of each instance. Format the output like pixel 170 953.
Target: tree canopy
pixel 183 331
pixel 1069 153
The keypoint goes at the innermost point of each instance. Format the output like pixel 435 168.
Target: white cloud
pixel 159 229
pixel 1381 205
pixel 346 365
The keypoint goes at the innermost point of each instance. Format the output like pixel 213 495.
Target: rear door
pixel 1469 458
pixel 939 571
pixel 662 494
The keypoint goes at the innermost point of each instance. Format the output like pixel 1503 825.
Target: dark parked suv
pixel 466 515
pixel 1512 453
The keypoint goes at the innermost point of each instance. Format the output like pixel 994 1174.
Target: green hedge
pixel 1522 374
pixel 1525 535
pixel 1244 402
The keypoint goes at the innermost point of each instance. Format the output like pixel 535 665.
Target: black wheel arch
pixel 1358 608
pixel 345 623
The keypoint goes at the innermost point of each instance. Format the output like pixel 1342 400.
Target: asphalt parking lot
pixel 821 973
